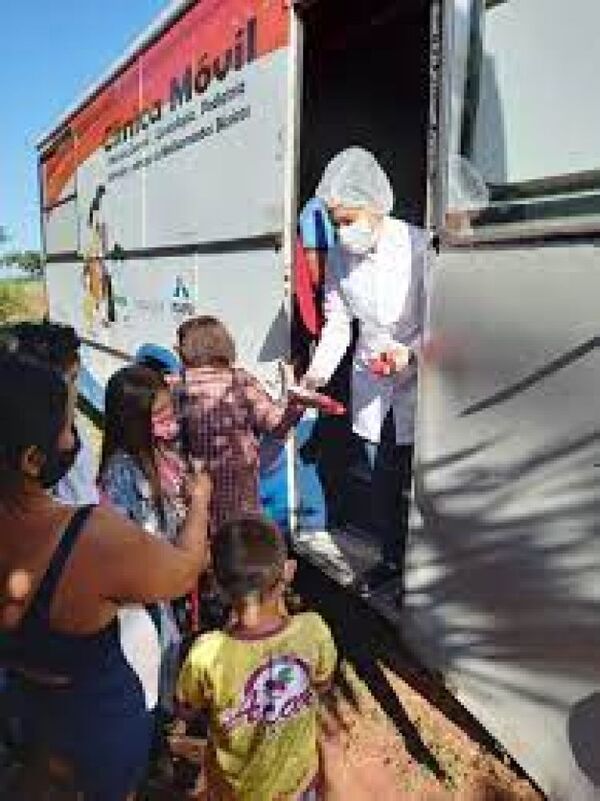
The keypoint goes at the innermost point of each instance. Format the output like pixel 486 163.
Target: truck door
pixel 502 590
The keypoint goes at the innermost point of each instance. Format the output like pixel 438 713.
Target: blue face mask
pixel 359 238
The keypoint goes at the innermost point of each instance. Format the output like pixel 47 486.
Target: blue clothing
pixel 129 492
pixel 316 230
pixel 100 717
pixel 156 354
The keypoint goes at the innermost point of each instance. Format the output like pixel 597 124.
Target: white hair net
pixel 355 179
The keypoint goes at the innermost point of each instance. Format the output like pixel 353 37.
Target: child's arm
pixel 192 693
pixel 267 415
pixel 324 669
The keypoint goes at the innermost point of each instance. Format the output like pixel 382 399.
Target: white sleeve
pixel 335 335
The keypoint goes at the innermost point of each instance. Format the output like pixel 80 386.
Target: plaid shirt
pixel 223 414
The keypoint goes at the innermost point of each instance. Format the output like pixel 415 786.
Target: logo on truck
pixel 195 80
pixel 181 303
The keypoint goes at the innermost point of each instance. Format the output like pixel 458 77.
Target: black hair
pixel 33 409
pixel 50 343
pixel 152 363
pixel 249 555
pixel 130 396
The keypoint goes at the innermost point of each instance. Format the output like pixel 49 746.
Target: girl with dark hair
pixel 80 644
pixel 142 476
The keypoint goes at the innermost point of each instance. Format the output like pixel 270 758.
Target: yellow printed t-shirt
pixel 263 707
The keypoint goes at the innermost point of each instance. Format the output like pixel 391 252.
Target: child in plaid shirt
pixel 224 411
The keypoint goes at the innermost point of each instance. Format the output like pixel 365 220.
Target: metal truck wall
pixel 178 161
pixel 503 594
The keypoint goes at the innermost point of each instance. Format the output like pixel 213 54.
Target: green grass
pixel 22 300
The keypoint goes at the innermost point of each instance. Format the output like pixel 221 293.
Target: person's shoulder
pixel 311 624
pixel 400 234
pixel 110 535
pixel 207 648
pixel 394 238
pixel 395 229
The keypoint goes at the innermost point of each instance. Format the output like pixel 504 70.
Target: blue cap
pixel 316 230
pixel 157 354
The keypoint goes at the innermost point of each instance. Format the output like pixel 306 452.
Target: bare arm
pixel 269 416
pixel 139 568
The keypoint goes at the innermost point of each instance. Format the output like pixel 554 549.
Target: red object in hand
pixel 380 366
pixel 316 400
pixel 330 405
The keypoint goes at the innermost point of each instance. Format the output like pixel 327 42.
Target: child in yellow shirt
pixel 259 679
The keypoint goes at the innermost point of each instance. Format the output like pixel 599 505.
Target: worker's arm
pixel 335 335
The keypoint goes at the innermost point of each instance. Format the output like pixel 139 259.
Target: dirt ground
pixel 401 726
pixel 402 731
pixel 404 718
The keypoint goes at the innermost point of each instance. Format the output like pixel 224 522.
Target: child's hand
pixel 311 399
pixel 311 383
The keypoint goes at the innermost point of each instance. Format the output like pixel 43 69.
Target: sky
pixel 52 51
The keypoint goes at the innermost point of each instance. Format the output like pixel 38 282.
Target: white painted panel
pixel 61 229
pixel 229 183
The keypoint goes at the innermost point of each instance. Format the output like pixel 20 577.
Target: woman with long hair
pixel 142 476
pixel 78 596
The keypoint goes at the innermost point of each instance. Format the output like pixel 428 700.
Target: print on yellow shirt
pixel 262 699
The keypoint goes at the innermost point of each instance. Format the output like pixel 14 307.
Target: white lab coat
pixel 384 291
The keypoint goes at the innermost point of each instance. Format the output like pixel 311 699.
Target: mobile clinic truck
pixel 173 187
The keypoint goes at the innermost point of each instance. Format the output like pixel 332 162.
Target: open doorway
pixel 365 83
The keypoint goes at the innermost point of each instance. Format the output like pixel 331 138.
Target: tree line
pixel 30 261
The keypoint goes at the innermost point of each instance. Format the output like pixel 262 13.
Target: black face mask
pixel 58 463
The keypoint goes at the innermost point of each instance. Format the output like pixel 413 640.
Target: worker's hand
pixel 398 357
pixel 392 361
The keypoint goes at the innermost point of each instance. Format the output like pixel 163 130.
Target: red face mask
pixel 165 427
